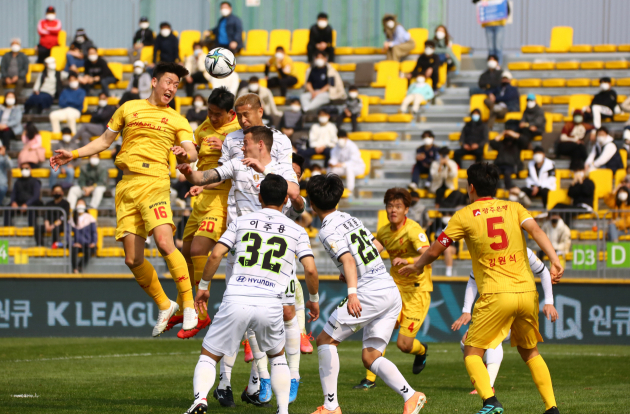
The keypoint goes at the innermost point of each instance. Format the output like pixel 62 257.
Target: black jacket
pixel 168 48
pixel 103 115
pixel 474 133
pixel 535 116
pixel 145 36
pixel 425 62
pixel 509 151
pixel 606 98
pixel 318 35
pixel 490 79
pixel 98 68
pixel 582 193
pixel 26 191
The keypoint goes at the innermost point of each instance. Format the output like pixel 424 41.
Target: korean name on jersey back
pixel 266 245
pixel 340 234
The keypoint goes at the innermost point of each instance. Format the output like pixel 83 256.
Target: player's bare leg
pixel 260 377
pixel 292 347
pixel 412 346
pixel 473 358
pixel 541 376
pixel 449 253
pixel 306 347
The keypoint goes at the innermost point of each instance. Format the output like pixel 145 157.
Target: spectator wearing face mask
pixel 419 93
pixel 92 182
pixel 46 88
pixel 490 78
pixel 198 113
pixel 54 223
pixel 428 64
pixel 68 144
pixel 229 29
pixel 443 174
pixel 13 68
pixel 100 117
pixel 604 102
pixel 70 104
pixel 5 173
pixel 533 120
pixel 292 121
pixel 425 155
pixel 444 48
pixel 25 193
pixel 283 66
pixel 139 86
pixel 266 97
pixel 144 35
pixel 351 109
pixel 399 43
pixel 84 236
pixel 323 84
pixel 322 137
pixel 48 30
pixel 418 212
pixel 32 152
pixel 605 153
pixel 10 120
pixel 559 234
pixel 345 160
pixel 321 39
pixel 472 139
pixel 502 99
pixel 79 48
pixel 196 66
pixel 617 199
pixel 582 193
pixel 541 180
pixel 572 142
pixel 166 46
pixel 96 72
pixel 509 145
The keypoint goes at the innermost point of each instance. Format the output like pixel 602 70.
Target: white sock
pixel 225 376
pixel 281 383
pixel 493 371
pixel 461 345
pixel 254 380
pixel 387 371
pixel 260 358
pixel 292 346
pixel 493 362
pixel 449 271
pixel 328 374
pixel 299 307
pixel 203 380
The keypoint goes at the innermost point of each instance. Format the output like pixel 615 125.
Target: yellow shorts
pixel 142 204
pixel 209 216
pixel 496 313
pixel 414 310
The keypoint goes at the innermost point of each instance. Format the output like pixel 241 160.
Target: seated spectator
pixel 490 79
pixel 166 46
pixel 345 160
pixel 292 120
pixel 48 30
pixel 144 37
pixel 283 65
pixel 351 109
pixel 473 137
pixel 10 120
pixel 444 48
pixel 198 113
pixel 5 173
pixel 541 180
pixel 25 193
pixel 604 102
pixel 582 193
pixel 70 106
pixel 428 64
pixel 617 199
pixel 321 138
pixel 559 234
pixel 13 68
pixel 320 39
pixel 419 93
pixel 323 84
pixel 139 86
pixel 266 97
pixel 196 65
pixel 84 238
pixel 418 212
pixel 572 142
pixel 443 174
pixel 46 88
pixel 231 82
pixel 502 99
pixel 79 48
pixel 32 152
pixel 68 144
pixel 98 122
pixel 97 72
pixel 398 44
pixel 509 145
pixel 425 155
pixel 533 120
pixel 605 153
pixel 53 222
pixel 229 29
pixel 92 182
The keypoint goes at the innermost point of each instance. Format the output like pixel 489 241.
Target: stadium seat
pixel 543 65
pixel 62 38
pixel 46 142
pixel 476 102
pixel 385 136
pixel 366 155
pixel 406 118
pixel 146 54
pixel 407 66
pixel 616 64
pixel 395 91
pixel 592 64
pixel 603 179
pixel 279 37
pixel 454 136
pixel 367 50
pixel 419 36
pixel 604 48
pixel 117 71
pixel 360 136
pixel 569 65
pixel 59 53
pixel 385 70
pixel 299 42
pixel 519 65
pixel 554 83
pixel 528 83
pixel 561 41
pixel 557 196
pixel 577 101
pixel 256 44
pixel 260 67
pixel 375 118
pixel 623 82
pixel 117 51
pixel 299 71
pixel 186 40
pixel 578 83
pixel 581 49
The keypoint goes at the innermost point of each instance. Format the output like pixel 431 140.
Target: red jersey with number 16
pixel 495 239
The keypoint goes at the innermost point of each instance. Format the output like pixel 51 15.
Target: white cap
pixel 138 64
pixel 506 74
pixel 626 134
pixel 50 59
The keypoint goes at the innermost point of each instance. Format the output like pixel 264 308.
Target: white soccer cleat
pixel 198 407
pixel 163 318
pixel 190 319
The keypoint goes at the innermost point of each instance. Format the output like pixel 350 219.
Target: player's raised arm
pixel 539 236
pixel 199 178
pixel 100 144
pixel 428 257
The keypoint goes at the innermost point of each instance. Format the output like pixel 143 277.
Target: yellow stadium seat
pixel 561 39
pixel 299 42
pixel 374 100
pixel 528 83
pixel 46 136
pixel 616 64
pixel 454 136
pixel 570 65
pixel 578 83
pixel 299 71
pixel 533 49
pixel 256 44
pixel 581 49
pixel 577 101
pixel 260 67
pixel 146 54
pixel 592 64
pixel 560 99
pixel 557 196
pixel 603 179
pixel 59 53
pixel 407 66
pixel 365 108
pixel 62 38
pixel 279 100
pixel 360 136
pixel 367 50
pixel 604 48
pixel 623 82
pixel 395 91
pixel 488 152
pixel 543 65
pixel 554 83
pixel 385 70
pixel 385 136
pixel 374 118
pixel 117 70
pixel 519 65
pixel 382 219
pixel 620 175
pixel 118 51
pixel 347 67
pixel 279 37
pixel 476 102
pixel 186 40
pixel 545 99
pixel 406 118
pixel 344 50
pixel 419 36
pixel 366 155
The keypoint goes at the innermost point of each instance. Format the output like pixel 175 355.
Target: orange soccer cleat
pixel 249 355
pixel 415 403
pixel 306 347
pixel 189 334
pixel 322 410
pixel 175 320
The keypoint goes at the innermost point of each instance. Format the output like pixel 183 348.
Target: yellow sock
pixel 179 271
pixel 179 301
pixel 418 348
pixel 147 278
pixel 479 376
pixel 370 376
pixel 542 379
pixel 199 263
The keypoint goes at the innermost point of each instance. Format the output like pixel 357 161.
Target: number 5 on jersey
pixel 494 233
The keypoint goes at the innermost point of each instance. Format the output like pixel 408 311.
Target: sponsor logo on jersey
pixel 240 279
pixel 476 213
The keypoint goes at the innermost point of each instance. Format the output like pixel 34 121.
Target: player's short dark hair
pixel 222 98
pixel 299 160
pixel 169 67
pixel 398 193
pixel 325 191
pixel 273 190
pixel 261 133
pixel 485 177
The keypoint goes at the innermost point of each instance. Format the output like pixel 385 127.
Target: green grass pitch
pixel 72 375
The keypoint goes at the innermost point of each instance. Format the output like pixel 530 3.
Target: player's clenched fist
pixel 354 306
pixel 185 169
pixel 556 271
pixel 314 310
pixel 62 157
pixel 180 154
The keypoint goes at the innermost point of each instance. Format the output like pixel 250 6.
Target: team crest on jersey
pixel 164 120
pixel 422 237
pixel 476 213
pixel 256 177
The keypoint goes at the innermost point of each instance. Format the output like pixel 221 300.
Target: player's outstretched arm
pixel 427 258
pixel 203 292
pixel 312 284
pixel 539 236
pixel 100 144
pixel 350 274
pixel 199 177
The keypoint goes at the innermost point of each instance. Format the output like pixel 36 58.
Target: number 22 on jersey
pixel 365 247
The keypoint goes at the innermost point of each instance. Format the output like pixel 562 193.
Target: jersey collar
pixel 484 199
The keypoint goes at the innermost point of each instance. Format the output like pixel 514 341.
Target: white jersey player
pixel 267 244
pixel 493 357
pixel 373 303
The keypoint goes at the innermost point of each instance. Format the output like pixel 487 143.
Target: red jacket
pixel 49 32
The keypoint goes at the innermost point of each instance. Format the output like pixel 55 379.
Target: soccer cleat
pixel 491 406
pixel 198 407
pixel 474 392
pixel 365 384
pixel 421 360
pixel 552 410
pixel 163 317
pixel 175 320
pixel 306 347
pixel 249 355
pixel 224 397
pixel 265 390
pixel 253 399
pixel 190 319
pixel 202 323
pixel 295 384
pixel 322 410
pixel 415 403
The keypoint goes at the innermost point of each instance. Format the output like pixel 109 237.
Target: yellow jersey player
pixel 508 298
pixel 208 220
pixel 405 241
pixel 150 131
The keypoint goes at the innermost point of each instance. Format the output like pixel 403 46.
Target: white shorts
pixel 225 334
pixel 288 299
pixel 378 318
